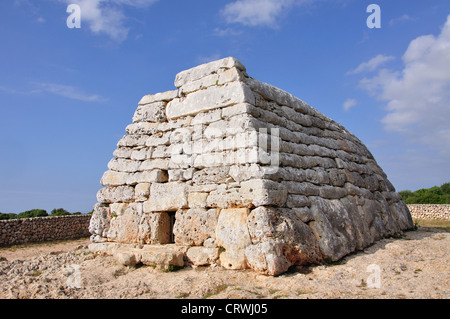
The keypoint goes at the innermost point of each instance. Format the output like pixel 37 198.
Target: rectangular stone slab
pixel 212 98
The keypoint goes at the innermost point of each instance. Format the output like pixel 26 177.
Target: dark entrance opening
pixel 172 223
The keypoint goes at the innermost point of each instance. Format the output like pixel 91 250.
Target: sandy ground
pixel 414 266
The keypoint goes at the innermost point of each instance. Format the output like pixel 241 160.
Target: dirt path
pixel 415 266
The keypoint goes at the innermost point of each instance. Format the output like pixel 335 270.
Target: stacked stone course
pixel 430 211
pixel 40 229
pixel 244 175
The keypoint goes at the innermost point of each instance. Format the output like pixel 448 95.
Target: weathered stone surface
pixel 194 226
pixel 99 223
pixel 153 112
pixel 211 98
pixel 166 197
pixel 142 191
pixel 267 257
pixel 161 256
pixel 280 233
pixel 206 69
pixel 235 167
pixel 201 256
pixel 232 234
pixel 112 178
pixel 164 96
pixel 123 194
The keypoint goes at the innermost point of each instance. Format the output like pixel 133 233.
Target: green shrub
pixel 7 216
pixel 59 212
pixel 432 195
pixel 33 213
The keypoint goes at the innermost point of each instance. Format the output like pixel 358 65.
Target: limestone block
pixel 332 192
pixel 99 223
pixel 152 112
pixel 265 192
pixel 199 84
pixel 164 96
pixel 144 128
pixel 205 118
pixel 123 152
pixel 281 97
pixel 194 226
pixel 251 193
pixel 232 234
pixel 245 172
pixel 113 178
pixel 211 98
pixel 166 197
pixel 117 209
pixel 207 69
pixel 213 175
pixel 153 176
pixel 231 75
pixel 288 236
pixel 402 215
pixel 238 109
pixel 201 256
pixel 135 227
pixel 334 227
pixel 124 165
pixel 181 135
pixel 182 161
pixel 132 140
pixel 302 213
pixel 142 191
pixel 197 199
pixel 123 194
pixel 303 188
pixel 184 174
pixel 224 76
pixel 162 257
pixel 156 163
pixel 126 258
pixel 158 139
pixel 140 155
pixel 267 258
pixel 297 201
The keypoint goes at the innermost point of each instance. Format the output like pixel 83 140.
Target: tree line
pixel 38 213
pixel 432 195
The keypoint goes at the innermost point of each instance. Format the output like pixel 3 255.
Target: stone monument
pixel 227 170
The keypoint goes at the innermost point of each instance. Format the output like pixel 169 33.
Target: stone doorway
pixel 172 223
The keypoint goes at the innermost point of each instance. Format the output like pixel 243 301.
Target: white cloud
pixel 402 18
pixel 372 64
pixel 258 12
pixel 418 96
pixel 106 16
pixel 70 92
pixel 349 103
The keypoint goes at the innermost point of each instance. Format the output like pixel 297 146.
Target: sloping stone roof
pixel 245 175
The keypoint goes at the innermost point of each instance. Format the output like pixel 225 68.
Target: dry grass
pixel 436 223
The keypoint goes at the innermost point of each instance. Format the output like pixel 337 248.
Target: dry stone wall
pixel 244 175
pixel 430 211
pixel 40 229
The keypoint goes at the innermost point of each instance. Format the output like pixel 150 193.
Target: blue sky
pixel 66 95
